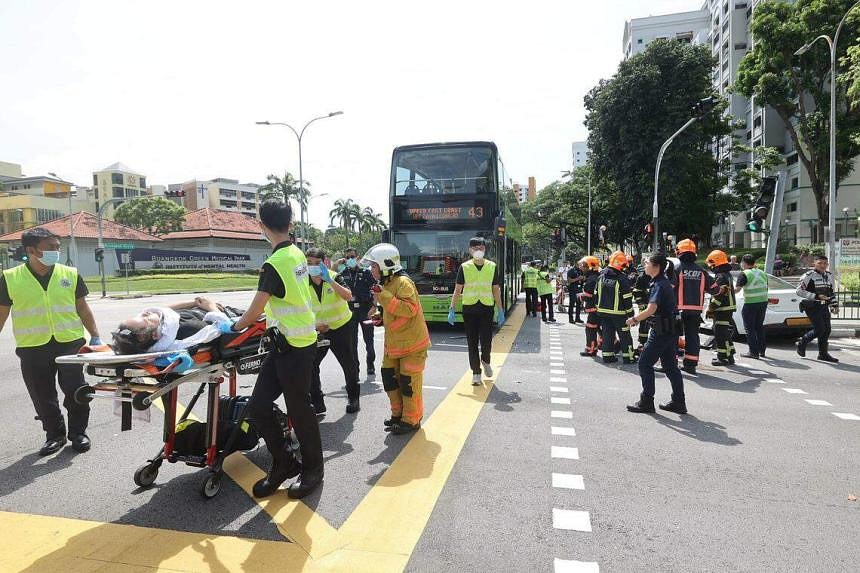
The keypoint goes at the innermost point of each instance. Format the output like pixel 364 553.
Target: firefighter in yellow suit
pixel 406 338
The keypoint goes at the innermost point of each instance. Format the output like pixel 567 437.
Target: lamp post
pixel 831 215
pixel 299 135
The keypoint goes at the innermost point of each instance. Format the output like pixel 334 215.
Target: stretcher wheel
pixel 137 402
pixel 84 394
pixel 145 475
pixel 211 485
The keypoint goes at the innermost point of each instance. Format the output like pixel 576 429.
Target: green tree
pixel 852 75
pixel 776 77
pixel 561 205
pixel 345 213
pixel 630 116
pixel 285 188
pixel 155 215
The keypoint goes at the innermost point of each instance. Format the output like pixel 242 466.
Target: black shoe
pixel 52 446
pixel 589 354
pixel 352 406
pixel 660 369
pixel 643 406
pixel 750 355
pixel 281 470
pixel 319 407
pixel 80 443
pixel 553 320
pixel 827 358
pixel 630 361
pixel 577 321
pixel 609 359
pixel 307 482
pixel 731 359
pixel 677 407
pixel 689 369
pixel 801 348
pixel 718 362
pixel 402 427
pixel 390 422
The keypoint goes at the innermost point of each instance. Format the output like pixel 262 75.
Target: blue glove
pixel 96 341
pixel 324 274
pixel 185 361
pixel 500 317
pixel 226 327
pixel 451 316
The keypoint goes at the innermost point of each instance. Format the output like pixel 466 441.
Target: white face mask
pixel 478 255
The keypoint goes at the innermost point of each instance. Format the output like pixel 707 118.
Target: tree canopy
pixel 285 188
pixel 154 215
pixel 775 76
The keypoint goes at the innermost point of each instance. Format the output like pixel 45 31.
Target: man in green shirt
pixel 754 283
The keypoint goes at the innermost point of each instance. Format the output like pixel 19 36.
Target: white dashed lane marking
pixel 794 390
pixel 557 379
pixel 561 414
pixel 819 402
pixel 557 431
pixel 557 400
pixel 567 481
pixel 571 520
pixel 774 380
pixel 564 453
pixel 845 416
pixel 558 389
pixel 558 372
pixel 565 566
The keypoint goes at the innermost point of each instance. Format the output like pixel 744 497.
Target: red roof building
pixel 215 223
pixel 85 226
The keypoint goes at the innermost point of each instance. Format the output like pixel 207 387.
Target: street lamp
pixel 299 135
pixel 831 215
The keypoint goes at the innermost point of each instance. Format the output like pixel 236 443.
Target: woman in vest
pixel 330 298
pixel 406 338
pixel 285 295
pixel 49 311
pixel 478 285
pixel 545 291
pixel 754 283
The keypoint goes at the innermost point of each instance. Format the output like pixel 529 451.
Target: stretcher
pixel 138 380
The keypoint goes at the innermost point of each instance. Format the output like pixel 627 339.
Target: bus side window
pixel 411 189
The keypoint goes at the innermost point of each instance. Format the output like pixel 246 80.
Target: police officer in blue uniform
pixel 359 281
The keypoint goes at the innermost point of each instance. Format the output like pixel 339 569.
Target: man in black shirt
pixel 575 278
pixel 359 281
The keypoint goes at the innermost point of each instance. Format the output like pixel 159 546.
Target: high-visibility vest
pixel 293 314
pixel 610 298
pixel 330 309
pixel 531 277
pixel 544 287
pixel 478 283
pixel 39 314
pixel 756 288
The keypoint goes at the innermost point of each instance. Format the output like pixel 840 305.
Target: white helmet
pixel 386 256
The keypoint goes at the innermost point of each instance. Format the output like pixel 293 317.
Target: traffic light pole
pixel 101 239
pixel 655 210
pixel 774 223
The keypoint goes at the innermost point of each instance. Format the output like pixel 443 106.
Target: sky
pixel 173 89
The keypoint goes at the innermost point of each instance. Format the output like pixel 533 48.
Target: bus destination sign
pixel 470 212
pixel 422 214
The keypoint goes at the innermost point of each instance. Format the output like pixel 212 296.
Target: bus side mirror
pixel 386 235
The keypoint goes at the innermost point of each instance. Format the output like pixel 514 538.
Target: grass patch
pixel 174 283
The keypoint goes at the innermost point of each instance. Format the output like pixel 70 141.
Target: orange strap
pixel 398 352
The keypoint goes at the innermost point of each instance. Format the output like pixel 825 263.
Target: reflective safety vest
pixel 723 301
pixel 614 294
pixel 293 314
pixel 330 309
pixel 756 288
pixel 478 282
pixel 544 287
pixel 531 277
pixel 692 283
pixel 39 314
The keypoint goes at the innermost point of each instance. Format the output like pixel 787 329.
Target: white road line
pixel 567 481
pixel 562 372
pixel 556 400
pixel 844 416
pixel 819 402
pixel 774 380
pixel 571 520
pixel 561 414
pixel 567 566
pixel 564 453
pixel 759 372
pixel 558 389
pixel 556 364
pixel 558 431
pixel 794 390
pixel 557 379
pixel 435 387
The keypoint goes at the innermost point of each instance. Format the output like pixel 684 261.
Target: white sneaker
pixel 476 379
pixel 488 370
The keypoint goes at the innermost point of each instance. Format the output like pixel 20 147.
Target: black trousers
pixel 691 320
pixel 610 326
pixel 289 374
pixel 344 350
pixel 724 332
pixel 644 327
pixel 819 314
pixel 531 301
pixel 546 305
pixel 479 329
pixel 592 331
pixel 42 374
pixel 359 315
pixel 574 300
pixel 753 315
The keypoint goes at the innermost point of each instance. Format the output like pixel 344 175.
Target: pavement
pixel 540 469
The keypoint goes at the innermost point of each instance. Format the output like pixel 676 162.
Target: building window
pixel 791 160
pixel 791 207
pixel 639 41
pixel 116 178
pixel 795 183
pixel 95 180
pixel 118 192
pixel 142 184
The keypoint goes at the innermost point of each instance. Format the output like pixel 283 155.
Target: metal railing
pixel 849 305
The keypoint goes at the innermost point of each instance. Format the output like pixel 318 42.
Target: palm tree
pixel 345 213
pixel 371 221
pixel 285 189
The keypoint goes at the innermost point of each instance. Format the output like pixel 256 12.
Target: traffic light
pixel 179 193
pixel 704 106
pixel 100 255
pixel 759 212
pixel 501 227
pixel 558 237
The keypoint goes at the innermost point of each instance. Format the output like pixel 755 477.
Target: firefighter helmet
pixel 618 260
pixel 386 256
pixel 685 246
pixel 590 263
pixel 717 258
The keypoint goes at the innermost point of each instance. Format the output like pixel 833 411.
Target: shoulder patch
pixel 301 271
pixel 65 283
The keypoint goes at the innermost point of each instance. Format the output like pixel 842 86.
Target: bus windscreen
pixel 443 171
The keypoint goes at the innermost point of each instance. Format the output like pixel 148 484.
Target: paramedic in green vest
pixel 49 311
pixel 330 298
pixel 754 283
pixel 285 295
pixel 530 283
pixel 478 285
pixel 545 291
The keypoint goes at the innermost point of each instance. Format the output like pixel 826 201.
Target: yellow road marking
pixel 375 538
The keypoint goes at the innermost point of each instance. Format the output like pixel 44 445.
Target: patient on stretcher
pixel 175 327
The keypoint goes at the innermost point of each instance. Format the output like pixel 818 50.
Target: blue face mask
pixel 50 258
pixel 351 263
pixel 314 270
pixel 341 267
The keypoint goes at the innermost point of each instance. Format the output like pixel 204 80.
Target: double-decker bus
pixel 443 194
